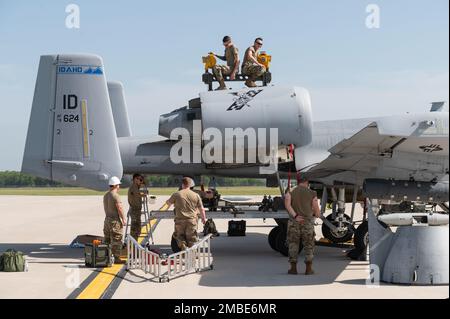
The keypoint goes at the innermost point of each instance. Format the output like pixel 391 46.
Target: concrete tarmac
pixel 244 267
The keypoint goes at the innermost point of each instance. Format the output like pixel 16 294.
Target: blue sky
pixel 155 49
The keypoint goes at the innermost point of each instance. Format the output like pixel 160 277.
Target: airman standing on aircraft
pixel 188 205
pixel 251 67
pixel 231 56
pixel 114 218
pixel 135 202
pixel 303 207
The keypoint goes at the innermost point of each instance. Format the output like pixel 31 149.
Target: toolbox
pixel 98 255
pixel 237 228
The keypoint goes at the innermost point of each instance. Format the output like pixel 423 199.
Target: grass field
pixel 75 191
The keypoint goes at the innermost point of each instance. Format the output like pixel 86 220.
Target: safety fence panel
pixel 194 259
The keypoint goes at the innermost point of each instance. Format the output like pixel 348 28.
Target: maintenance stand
pixel 210 61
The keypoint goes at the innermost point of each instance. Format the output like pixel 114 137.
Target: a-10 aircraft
pixel 79 134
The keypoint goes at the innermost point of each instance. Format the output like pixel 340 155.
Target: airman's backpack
pixel 12 261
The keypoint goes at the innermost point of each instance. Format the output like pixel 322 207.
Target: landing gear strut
pixel 338 227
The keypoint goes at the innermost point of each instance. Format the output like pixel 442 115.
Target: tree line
pixel 17 179
pixel 12 179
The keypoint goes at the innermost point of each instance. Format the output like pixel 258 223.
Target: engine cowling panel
pixel 248 121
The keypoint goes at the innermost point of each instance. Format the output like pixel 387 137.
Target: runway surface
pixel 244 267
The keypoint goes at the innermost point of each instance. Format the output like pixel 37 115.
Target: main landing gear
pixel 278 238
pixel 338 227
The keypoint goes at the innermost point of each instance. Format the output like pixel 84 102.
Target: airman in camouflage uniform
pixel 231 56
pixel 188 205
pixel 303 208
pixel 135 202
pixel 303 233
pixel 114 219
pixel 250 66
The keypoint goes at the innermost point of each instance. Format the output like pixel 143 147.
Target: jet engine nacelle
pixel 251 121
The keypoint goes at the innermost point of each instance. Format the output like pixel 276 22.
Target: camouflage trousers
pixel 186 232
pixel 221 70
pixel 136 224
pixel 113 232
pixel 253 71
pixel 297 233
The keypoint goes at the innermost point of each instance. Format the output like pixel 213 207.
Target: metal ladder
pixel 146 213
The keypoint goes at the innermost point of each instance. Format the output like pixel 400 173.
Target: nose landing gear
pixel 343 231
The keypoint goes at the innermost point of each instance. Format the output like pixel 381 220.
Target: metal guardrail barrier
pixel 194 259
pixel 139 257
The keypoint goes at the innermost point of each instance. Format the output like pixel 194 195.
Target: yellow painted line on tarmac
pixel 103 280
pixel 100 283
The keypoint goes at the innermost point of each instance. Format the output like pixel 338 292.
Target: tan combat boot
pixel 119 261
pixel 222 86
pixel 309 270
pixel 293 270
pixel 183 246
pixel 250 84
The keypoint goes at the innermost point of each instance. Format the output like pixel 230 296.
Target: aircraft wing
pixel 419 147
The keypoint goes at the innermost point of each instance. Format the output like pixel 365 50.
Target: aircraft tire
pixel 361 235
pixel 273 237
pixel 282 244
pixel 361 238
pixel 343 238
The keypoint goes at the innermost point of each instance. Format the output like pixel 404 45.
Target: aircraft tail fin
pixel 71 134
